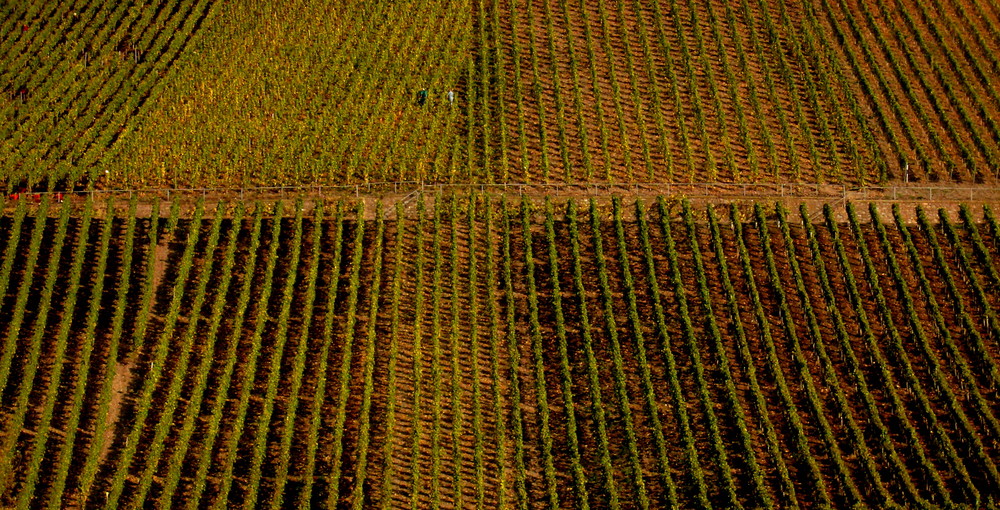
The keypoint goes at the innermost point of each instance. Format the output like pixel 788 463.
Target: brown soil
pixel 119 390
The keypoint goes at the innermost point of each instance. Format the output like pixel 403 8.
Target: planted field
pixel 476 352
pixel 180 93
pixel 194 93
pixel 76 75
pixel 740 91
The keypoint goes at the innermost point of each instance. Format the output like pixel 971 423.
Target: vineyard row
pixel 494 352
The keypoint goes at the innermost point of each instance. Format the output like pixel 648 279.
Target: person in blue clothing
pixel 422 97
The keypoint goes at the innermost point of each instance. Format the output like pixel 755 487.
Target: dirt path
pixel 160 261
pixel 125 370
pixel 119 387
